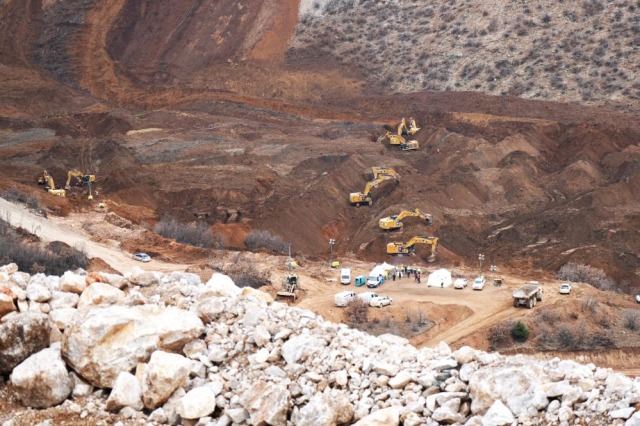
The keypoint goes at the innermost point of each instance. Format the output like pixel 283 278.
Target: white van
pixel 367 296
pixel 345 276
pixel 344 297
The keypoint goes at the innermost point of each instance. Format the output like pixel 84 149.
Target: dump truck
pixel 528 295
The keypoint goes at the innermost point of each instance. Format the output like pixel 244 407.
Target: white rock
pixel 114 280
pixel 63 299
pixel 298 348
pixel 143 278
pixel 386 368
pixel 221 286
pixel 72 283
pixel 634 420
pixel 10 268
pixel 165 373
pixel 261 336
pixel 105 341
pixel 195 348
pixel 501 382
pixel 266 403
pixel 498 415
pixel 38 293
pixel 464 355
pixel 400 380
pixel 317 412
pixel 622 413
pixel 448 412
pixel 80 387
pixel 341 378
pixel 237 415
pixel 198 402
pixel 42 380
pixel 385 417
pixel 62 318
pixel 126 392
pixel 100 294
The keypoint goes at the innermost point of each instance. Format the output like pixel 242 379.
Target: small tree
pixel 357 311
pixel 520 332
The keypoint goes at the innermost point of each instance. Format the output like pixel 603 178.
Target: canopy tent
pixel 439 278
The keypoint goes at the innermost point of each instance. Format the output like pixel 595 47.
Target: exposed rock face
pixel 42 380
pixel 24 334
pixel 104 341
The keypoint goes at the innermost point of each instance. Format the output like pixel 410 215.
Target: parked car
pixel 565 288
pixel 344 297
pixel 460 283
pixel 638 298
pixel 141 257
pixel 380 301
pixel 367 296
pixel 478 283
pixel 345 276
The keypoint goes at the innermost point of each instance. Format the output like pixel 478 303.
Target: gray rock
pixel 42 381
pixel 21 336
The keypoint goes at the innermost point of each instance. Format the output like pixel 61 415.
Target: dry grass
pixel 585 51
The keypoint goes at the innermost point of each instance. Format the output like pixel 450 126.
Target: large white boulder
pixel 144 278
pixel 21 336
pixel 389 416
pixel 299 348
pixel 498 415
pixel 266 403
pixel 38 293
pixel 220 285
pixel 42 380
pixel 198 402
pixel 117 281
pixel 105 341
pixel 126 392
pixel 63 299
pixel 317 412
pixel 73 283
pixel 165 373
pixel 100 294
pixel 63 318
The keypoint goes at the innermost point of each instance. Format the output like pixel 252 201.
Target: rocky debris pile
pixel 168 349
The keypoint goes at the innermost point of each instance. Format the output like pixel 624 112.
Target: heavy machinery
pixel 361 198
pixel 410 247
pixel 412 129
pixel 49 185
pixel 290 285
pixel 395 222
pixel 384 171
pixel 528 295
pixel 81 179
pixel 405 145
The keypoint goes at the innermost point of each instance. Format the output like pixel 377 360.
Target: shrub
pixel 576 272
pixel 421 318
pixel 263 239
pixel 590 304
pixel 520 332
pixel 630 320
pixel 245 274
pixel 17 196
pixel 566 337
pixel 197 235
pixel 55 259
pixel 357 311
pixel 499 335
pixel 549 316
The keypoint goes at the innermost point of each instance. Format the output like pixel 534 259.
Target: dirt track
pixel 56 230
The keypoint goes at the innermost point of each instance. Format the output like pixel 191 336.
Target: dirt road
pixel 55 229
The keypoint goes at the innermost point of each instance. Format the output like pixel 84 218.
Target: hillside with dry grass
pixel 586 51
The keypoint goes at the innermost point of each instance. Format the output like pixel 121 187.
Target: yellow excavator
pixel 395 221
pixel 412 129
pixel 410 247
pixel 82 179
pixel 361 198
pixel 384 171
pixel 49 185
pixel 405 145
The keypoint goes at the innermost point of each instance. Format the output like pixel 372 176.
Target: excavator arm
pixel 395 221
pixel 409 247
pixel 50 185
pixel 359 198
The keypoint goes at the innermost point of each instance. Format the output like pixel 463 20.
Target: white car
pixel 478 283
pixel 380 301
pixel 565 288
pixel 142 257
pixel 460 283
pixel 638 298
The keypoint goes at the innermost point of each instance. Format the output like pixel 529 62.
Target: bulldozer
pixel 290 286
pixel 362 198
pixel 405 145
pixel 410 247
pixel 395 221
pixel 82 179
pixel 49 185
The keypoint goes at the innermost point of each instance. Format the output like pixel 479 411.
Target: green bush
pixel 520 332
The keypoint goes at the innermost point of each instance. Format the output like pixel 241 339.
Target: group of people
pixel 407 271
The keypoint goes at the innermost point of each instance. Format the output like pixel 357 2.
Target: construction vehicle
pixel 528 295
pixel 412 129
pixel 362 198
pixel 82 179
pixel 49 185
pixel 395 221
pixel 410 246
pixel 290 284
pixel 405 145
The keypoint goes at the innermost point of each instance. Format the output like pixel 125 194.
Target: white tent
pixel 439 278
pixel 386 266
